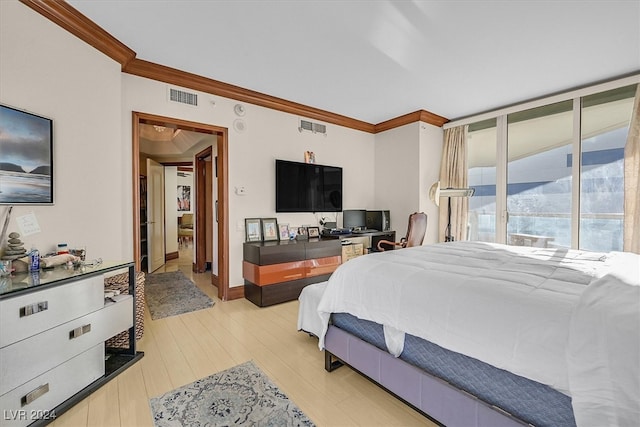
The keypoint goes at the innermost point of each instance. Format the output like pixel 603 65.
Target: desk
pixel 369 240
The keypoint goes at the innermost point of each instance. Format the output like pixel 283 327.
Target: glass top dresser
pixel 53 328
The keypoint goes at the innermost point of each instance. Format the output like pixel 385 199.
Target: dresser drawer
pixel 33 356
pixel 263 275
pixel 320 266
pixel 32 313
pixel 51 388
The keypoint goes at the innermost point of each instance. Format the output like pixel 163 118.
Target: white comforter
pixel 512 307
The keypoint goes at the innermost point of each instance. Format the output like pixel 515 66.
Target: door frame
pixel 200 200
pixel 222 146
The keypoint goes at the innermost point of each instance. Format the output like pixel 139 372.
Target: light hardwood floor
pixel 181 349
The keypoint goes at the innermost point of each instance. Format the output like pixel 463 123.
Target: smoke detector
pixel 239 110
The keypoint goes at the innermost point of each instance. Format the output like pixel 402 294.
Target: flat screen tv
pixel 26 158
pixel 308 187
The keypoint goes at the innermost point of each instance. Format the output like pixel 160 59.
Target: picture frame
pixel 284 231
pixel 253 230
pixel 26 158
pixel 270 229
pixel 184 198
pixel 313 232
pixel 302 233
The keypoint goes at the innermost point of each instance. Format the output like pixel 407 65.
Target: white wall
pixel 431 144
pixel 46 70
pixel 268 135
pixel 397 173
pixel 407 158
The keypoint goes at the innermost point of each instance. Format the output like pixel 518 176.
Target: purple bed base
pixel 430 395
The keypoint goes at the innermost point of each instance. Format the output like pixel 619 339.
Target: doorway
pixel 221 280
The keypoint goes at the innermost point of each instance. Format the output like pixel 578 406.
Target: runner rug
pixel 240 396
pixel 172 293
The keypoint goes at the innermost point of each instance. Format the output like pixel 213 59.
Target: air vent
pixel 313 127
pixel 183 97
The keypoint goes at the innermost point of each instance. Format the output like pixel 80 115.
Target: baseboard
pixel 235 292
pixel 171 255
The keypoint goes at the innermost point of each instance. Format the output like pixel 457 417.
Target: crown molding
pixel 142 68
pixel 69 18
pixel 416 116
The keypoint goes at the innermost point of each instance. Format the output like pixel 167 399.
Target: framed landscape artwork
pixel 26 158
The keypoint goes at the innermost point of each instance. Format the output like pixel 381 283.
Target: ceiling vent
pixel 312 127
pixel 183 97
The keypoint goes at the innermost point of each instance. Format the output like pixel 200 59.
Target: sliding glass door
pixel 539 144
pixel 605 125
pixel 530 188
pixel 481 161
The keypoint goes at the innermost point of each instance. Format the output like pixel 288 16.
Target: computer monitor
pixel 354 218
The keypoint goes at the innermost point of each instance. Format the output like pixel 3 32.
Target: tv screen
pixel 26 158
pixel 308 187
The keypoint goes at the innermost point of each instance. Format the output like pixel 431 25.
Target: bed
pixel 475 333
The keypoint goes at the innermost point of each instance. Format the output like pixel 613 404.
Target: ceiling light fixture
pixel 159 128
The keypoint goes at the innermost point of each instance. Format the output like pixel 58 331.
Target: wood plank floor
pixel 181 349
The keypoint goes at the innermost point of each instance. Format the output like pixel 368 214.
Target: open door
pixel 221 191
pixel 155 215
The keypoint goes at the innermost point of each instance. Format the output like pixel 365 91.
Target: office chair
pixel 415 233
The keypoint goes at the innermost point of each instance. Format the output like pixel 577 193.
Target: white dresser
pixel 53 328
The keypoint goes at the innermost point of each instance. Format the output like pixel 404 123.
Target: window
pixel 538 176
pixel 481 161
pixel 605 125
pixel 539 201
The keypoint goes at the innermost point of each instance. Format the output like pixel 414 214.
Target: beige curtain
pixel 453 174
pixel 632 181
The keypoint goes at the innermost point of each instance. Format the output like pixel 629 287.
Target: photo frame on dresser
pixel 302 233
pixel 284 231
pixel 253 229
pixel 270 229
pixel 313 232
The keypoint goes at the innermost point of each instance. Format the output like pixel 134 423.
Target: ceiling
pixel 163 142
pixel 377 60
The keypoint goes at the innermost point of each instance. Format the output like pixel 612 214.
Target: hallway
pixel 184 263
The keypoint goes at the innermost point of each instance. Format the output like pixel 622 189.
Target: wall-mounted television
pixel 308 187
pixel 26 158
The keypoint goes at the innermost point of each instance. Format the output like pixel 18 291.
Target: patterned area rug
pixel 170 294
pixel 240 396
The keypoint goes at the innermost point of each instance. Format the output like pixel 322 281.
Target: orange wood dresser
pixel 276 272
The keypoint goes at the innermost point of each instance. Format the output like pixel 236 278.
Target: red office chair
pixel 415 233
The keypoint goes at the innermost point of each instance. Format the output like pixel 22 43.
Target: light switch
pixel 241 191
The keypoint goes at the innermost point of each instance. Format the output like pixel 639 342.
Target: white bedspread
pixel 604 349
pixel 508 306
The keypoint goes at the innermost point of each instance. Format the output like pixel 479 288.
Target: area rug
pixel 172 293
pixel 240 396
